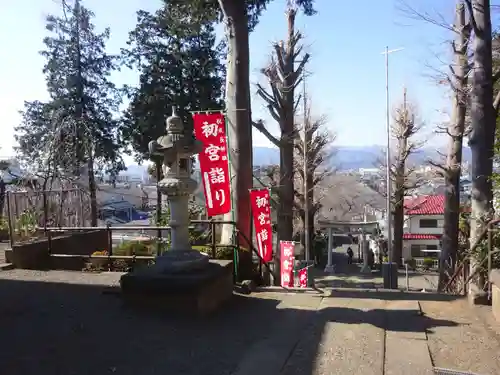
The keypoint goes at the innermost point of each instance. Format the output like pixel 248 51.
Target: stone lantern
pixel 177 147
pixel 181 278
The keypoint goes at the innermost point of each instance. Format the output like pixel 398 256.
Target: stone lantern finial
pixel 174 123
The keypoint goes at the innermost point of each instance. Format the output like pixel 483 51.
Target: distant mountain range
pixel 355 157
pixel 345 157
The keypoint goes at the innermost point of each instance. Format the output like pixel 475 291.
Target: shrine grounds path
pixel 74 323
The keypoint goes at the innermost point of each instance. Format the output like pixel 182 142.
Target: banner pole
pixel 235 250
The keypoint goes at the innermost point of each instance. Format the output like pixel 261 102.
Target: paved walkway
pixel 349 276
pixel 62 323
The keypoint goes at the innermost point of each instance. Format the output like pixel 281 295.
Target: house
pixel 423 228
pixel 121 211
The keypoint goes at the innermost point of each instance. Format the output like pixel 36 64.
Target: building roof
pixel 420 236
pixel 117 205
pixel 424 205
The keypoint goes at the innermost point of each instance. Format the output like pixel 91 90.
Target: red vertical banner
pixel 210 129
pixel 261 212
pixel 303 277
pixel 287 257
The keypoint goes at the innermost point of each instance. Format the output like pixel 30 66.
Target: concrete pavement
pixel 62 322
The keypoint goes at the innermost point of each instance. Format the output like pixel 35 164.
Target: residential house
pixel 121 211
pixel 423 228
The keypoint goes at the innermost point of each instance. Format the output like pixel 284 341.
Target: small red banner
pixel 261 212
pixel 287 257
pixel 303 277
pixel 209 128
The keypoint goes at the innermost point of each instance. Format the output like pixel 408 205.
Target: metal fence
pixel 26 210
pixel 50 232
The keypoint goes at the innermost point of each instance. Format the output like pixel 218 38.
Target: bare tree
pixel 318 140
pixel 283 77
pixel 452 169
pixel 480 122
pixel 405 126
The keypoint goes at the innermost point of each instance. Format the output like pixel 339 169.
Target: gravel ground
pixel 66 325
pixel 472 345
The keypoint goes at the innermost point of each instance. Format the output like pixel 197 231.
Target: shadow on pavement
pixel 59 328
pixel 395 295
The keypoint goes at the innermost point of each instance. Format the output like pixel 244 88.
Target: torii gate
pixel 362 227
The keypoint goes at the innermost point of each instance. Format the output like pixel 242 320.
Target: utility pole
pixel 388 153
pixel 307 244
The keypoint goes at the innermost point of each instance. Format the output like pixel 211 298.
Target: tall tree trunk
pixel 453 168
pixel 482 136
pixel 398 224
pixel 400 191
pixel 312 211
pixel 92 188
pixel 239 127
pixel 158 199
pixel 285 226
pixel 2 197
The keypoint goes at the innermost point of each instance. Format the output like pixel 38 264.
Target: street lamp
pixel 388 153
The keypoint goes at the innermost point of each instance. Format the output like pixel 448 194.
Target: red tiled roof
pixel 420 236
pixel 424 205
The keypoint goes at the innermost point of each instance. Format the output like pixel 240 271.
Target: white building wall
pixel 414 224
pixel 407 246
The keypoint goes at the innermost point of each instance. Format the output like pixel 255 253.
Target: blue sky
pixel 345 40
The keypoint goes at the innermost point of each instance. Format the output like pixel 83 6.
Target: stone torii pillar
pixel 365 247
pixel 329 266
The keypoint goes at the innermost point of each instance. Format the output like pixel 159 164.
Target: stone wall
pixel 35 254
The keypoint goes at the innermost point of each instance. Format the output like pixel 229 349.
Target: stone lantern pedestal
pixel 182 279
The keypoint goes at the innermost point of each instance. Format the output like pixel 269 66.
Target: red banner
pixel 303 277
pixel 287 258
pixel 209 128
pixel 261 212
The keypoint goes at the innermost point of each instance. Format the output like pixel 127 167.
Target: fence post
pixel 49 240
pixel 490 249
pixel 9 219
pixel 214 240
pixel 110 244
pixel 407 278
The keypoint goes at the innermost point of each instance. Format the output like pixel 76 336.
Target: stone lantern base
pixel 196 292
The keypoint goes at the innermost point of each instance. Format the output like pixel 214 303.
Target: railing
pixel 142 229
pixel 50 231
pixel 420 262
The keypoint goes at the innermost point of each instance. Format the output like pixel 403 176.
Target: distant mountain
pixel 345 158
pixel 354 157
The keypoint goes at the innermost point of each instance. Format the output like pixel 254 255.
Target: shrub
pixel 428 263
pixel 100 253
pixel 129 248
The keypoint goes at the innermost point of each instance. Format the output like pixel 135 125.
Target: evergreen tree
pixel 177 55
pixel 179 61
pixel 76 127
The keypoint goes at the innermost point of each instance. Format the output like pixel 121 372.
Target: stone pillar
pixel 329 266
pixel 179 221
pixel 365 247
